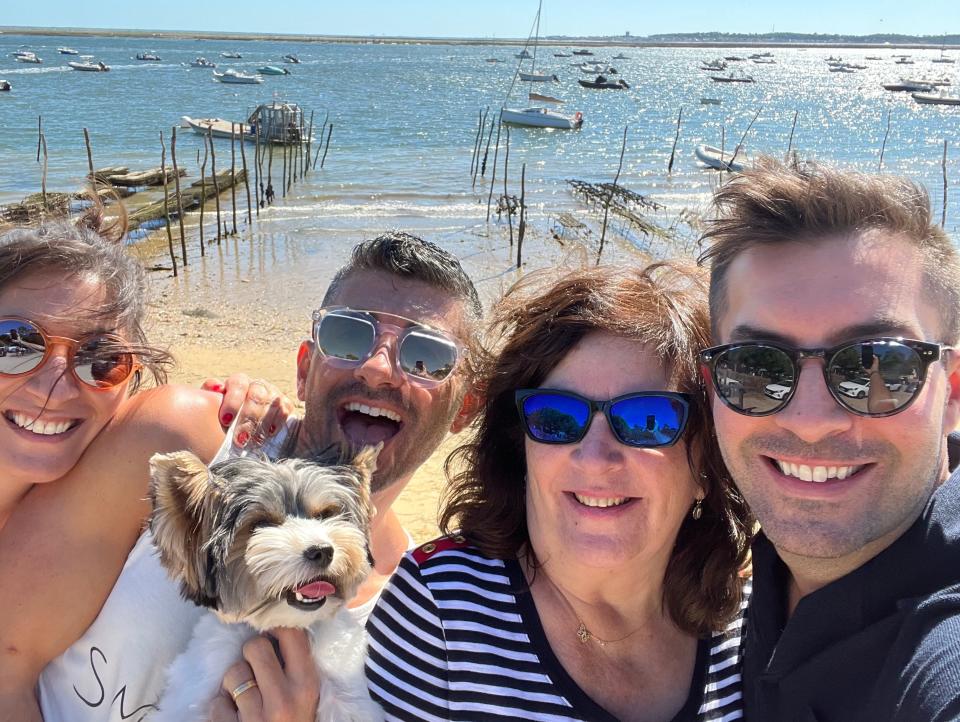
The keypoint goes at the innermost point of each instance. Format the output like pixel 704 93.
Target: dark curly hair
pixel 537 324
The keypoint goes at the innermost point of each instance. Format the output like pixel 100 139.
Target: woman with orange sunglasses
pixel 74 445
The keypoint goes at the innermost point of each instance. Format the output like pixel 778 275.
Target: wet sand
pixel 247 306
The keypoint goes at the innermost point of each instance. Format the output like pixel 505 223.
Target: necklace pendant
pixel 583 634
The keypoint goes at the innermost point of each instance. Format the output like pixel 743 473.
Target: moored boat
pixel 291 58
pixel 732 78
pixel 202 62
pixel 582 52
pixel 936 98
pixel 232 54
pixel 68 51
pixel 601 83
pixel 720 160
pixel 272 70
pixel 26 56
pixel 541 118
pixel 236 77
pixel 908 86
pixel 90 67
pixel 538 78
pixel 5 86
pixel 149 57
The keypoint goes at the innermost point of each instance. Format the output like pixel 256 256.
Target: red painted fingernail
pixel 242 438
pixel 227 418
pixel 219 388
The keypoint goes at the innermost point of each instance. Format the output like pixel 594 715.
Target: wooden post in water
pixel 323 128
pixel 40 135
pixel 742 138
pixel 792 128
pixel 270 192
pixel 943 164
pixel 327 146
pixel 676 138
pixel 476 165
pixel 86 140
pixel 883 146
pixel 476 142
pixel 309 140
pixel 246 182
pixel 233 174
pixel 166 206
pixel 256 168
pixel 301 146
pixel 176 180
pixel 283 181
pixel 216 182
pixel 483 166
pixel 522 230
pixel 43 177
pixel 203 193
pixel 506 198
pixel 493 175
pixel 606 206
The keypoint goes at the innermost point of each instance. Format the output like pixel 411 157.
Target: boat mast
pixel 536 38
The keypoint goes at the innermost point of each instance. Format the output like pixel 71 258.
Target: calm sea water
pixel 405 117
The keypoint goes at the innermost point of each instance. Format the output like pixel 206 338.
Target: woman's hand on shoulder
pixel 259 407
pixel 261 689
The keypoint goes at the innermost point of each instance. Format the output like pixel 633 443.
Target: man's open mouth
pixel 366 424
pixel 38 426
pixel 310 596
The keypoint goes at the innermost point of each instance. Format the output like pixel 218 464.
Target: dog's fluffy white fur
pixel 265 545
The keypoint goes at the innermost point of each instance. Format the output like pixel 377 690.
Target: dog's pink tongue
pixel 315 590
pixel 366 430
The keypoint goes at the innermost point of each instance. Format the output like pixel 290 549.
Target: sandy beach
pixel 235 311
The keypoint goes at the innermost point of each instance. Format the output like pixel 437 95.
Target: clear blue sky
pixel 494 18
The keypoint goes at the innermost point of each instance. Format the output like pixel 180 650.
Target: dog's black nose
pixel 319 554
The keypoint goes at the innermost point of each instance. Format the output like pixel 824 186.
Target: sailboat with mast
pixel 533 76
pixel 537 116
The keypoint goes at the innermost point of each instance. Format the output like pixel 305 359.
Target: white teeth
pixel 300 598
pixel 42 428
pixel 816 474
pixel 598 502
pixel 373 411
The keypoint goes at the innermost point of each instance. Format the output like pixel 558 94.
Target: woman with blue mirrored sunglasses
pixel 585 545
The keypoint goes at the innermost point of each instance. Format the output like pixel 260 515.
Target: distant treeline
pixel 804 38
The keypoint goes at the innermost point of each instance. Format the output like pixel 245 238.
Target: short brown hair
pixel 778 203
pixel 538 322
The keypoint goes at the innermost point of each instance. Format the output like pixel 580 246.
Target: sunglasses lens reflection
pixel 555 418
pixel 103 362
pixel 755 379
pixel 345 337
pixel 647 420
pixel 427 356
pixel 875 378
pixel 21 346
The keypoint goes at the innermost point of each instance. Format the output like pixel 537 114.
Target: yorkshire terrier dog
pixel 265 545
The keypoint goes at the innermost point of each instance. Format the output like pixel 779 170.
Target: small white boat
pixel 841 69
pixel 272 70
pixel 233 55
pixel 202 63
pixel 91 67
pixel 621 56
pixel 720 160
pixel 149 57
pixel 5 86
pixel 764 61
pixel 936 98
pixel 236 77
pixel 538 78
pixel 732 78
pixel 541 118
pixel 908 86
pixel 932 82
pixel 28 57
pixel 68 51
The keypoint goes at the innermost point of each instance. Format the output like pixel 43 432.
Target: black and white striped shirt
pixel 456 636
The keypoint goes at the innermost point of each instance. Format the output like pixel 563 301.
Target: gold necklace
pixel 583 633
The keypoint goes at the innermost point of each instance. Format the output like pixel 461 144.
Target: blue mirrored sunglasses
pixel 645 419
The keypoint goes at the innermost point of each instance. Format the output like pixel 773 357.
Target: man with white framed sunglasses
pixel 387 361
pixel 834 303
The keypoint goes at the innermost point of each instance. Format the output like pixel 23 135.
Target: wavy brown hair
pixel 91 247
pixel 536 325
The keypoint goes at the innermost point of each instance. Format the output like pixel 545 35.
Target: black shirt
pixel 880 644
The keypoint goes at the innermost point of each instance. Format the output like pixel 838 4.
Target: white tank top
pixel 116 671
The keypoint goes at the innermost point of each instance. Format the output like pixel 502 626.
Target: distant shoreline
pixel 385 40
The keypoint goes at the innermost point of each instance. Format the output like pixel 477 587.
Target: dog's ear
pixel 184 495
pixel 366 460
